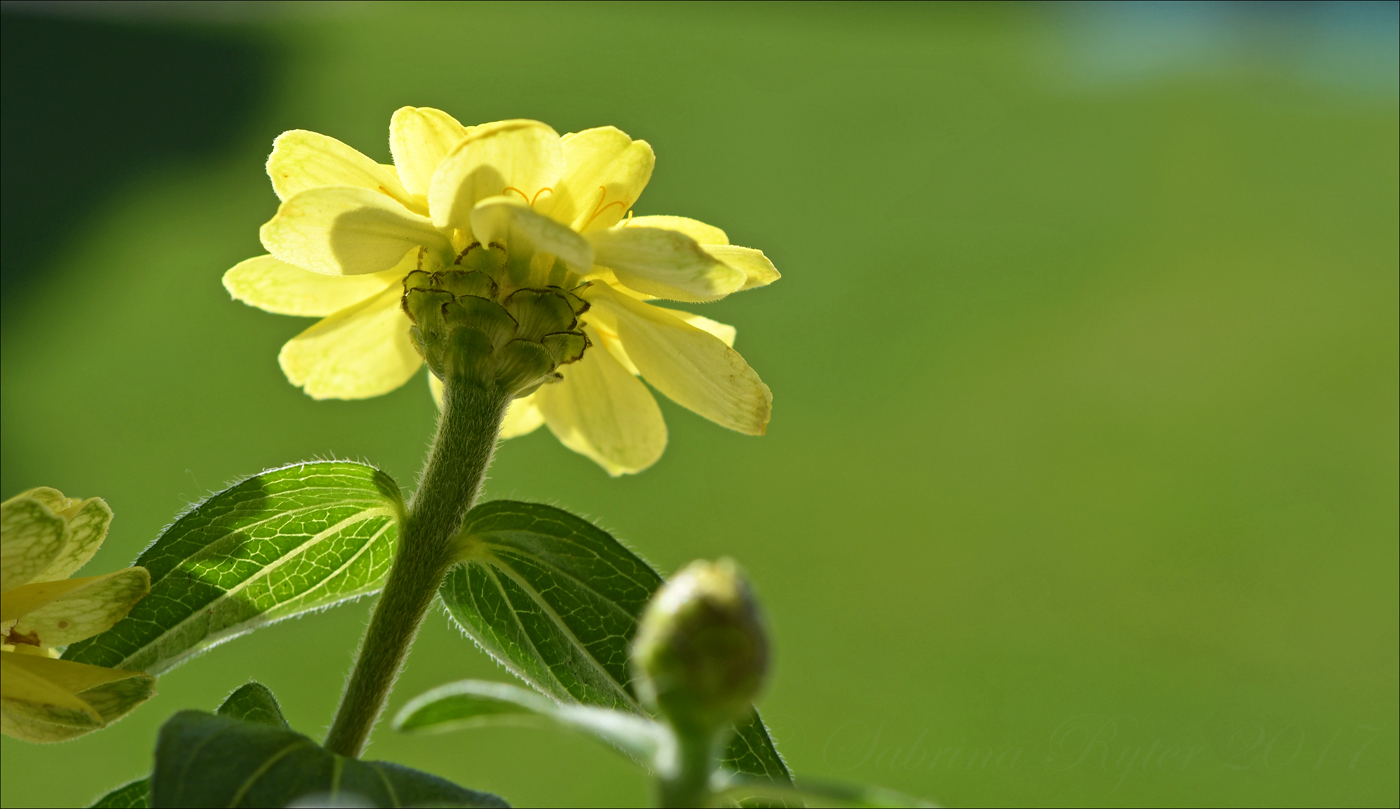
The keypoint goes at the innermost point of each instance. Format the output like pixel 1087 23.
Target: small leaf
pixel 204 760
pixel 135 795
pixel 250 702
pixel 254 702
pixel 291 540
pixel 556 600
pixel 737 788
pixel 473 703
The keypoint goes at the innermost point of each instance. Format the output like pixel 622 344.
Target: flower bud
pixel 701 653
pixel 467 324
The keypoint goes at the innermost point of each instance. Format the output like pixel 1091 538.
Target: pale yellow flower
pixel 349 230
pixel 44 538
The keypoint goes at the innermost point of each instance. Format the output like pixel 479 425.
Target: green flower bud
pixel 468 324
pixel 701 653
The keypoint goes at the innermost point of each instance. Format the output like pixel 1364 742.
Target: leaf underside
pixel 556 600
pixel 288 541
pixel 476 703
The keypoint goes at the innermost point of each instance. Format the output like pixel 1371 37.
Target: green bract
pixel 279 544
pixel 480 325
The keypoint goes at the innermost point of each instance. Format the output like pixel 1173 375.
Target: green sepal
pixel 566 346
pixel 468 282
pixel 471 312
pixel 468 354
pixel 576 301
pixel 485 258
pixel 205 760
pixel 540 312
pixel 425 306
pixel 556 600
pixel 280 544
pixel 522 363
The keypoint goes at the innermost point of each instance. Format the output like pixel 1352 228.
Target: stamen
pixel 601 207
pixel 529 200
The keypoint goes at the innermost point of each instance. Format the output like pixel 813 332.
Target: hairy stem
pixel 451 481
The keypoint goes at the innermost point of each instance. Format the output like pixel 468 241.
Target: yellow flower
pixel 44 537
pixel 349 230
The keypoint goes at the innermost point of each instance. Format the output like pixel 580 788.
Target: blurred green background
pixel 1081 485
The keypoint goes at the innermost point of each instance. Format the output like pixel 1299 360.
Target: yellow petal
pixel 286 289
pixel 53 498
pixel 71 677
pixel 302 160
pixel 348 231
pixel 691 366
pixel 88 521
pixel 504 219
pixel 107 695
pixel 723 331
pixel 522 416
pixel 36 651
pixel 694 228
pixel 419 138
pixel 521 158
pixel 356 353
pixel 31 538
pixel 602 411
pixel 604 174
pixel 664 263
pixel 83 611
pixel 757 269
pixel 19 682
pixel 26 598
pixel 605 325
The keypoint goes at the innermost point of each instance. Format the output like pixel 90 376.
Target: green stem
pixel 685 781
pixel 451 481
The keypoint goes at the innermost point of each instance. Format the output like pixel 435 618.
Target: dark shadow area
pixel 88 104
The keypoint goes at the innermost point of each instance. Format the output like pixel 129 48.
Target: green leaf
pixel 135 795
pixel 737 787
pixel 250 702
pixel 254 702
pixel 556 600
pixel 279 544
pixel 473 703
pixel 217 761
